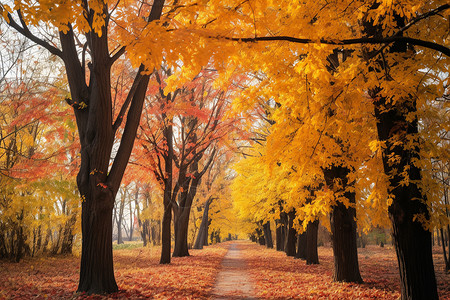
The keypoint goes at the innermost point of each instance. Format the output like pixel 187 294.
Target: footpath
pixel 233 281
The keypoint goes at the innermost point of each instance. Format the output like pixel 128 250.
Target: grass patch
pixel 128 245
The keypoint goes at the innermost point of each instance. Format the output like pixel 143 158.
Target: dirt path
pixel 233 281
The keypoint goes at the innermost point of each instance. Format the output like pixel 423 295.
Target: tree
pixel 190 120
pixel 86 25
pixel 202 236
pixel 396 128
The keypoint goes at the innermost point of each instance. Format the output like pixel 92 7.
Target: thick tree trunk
pixel 343 228
pixel 96 270
pixel 312 257
pixel 302 244
pixel 279 235
pixel 268 235
pixel 291 240
pixel 166 236
pixel 202 236
pixel 181 232
pixel 412 242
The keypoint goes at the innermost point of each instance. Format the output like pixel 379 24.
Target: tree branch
pixel 130 96
pixel 27 33
pixel 363 40
pixel 210 160
pixel 117 55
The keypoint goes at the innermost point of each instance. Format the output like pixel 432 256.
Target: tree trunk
pixel 302 244
pixel 312 256
pixel 156 233
pixel 202 236
pixel 136 196
pixel 67 241
pixel 48 235
pixel 181 232
pixel 343 228
pixel 166 236
pixel 268 235
pixel 119 218
pixel 279 235
pixel 20 243
pixel 144 231
pixel 446 259
pixel 39 239
pixel 291 240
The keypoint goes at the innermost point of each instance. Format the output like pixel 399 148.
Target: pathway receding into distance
pixel 233 281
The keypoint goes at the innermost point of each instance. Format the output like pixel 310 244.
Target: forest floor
pixel 272 274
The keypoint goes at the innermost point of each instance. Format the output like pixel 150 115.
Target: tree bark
pixel 20 243
pixel 302 244
pixel 67 241
pixel 136 195
pixel 119 217
pixel 343 228
pixel 312 257
pixel 268 235
pixel 167 201
pixel 202 236
pixel 181 223
pixel 291 240
pixel 446 259
pixel 279 232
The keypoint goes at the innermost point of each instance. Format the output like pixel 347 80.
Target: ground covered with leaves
pixel 138 274
pixel 275 276
pixel 279 277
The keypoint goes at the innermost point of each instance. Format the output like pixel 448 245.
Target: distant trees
pixel 39 208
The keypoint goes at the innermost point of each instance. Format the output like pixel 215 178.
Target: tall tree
pixel 84 27
pixel 397 125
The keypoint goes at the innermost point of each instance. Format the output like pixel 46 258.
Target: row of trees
pixel 353 90
pixel 353 133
